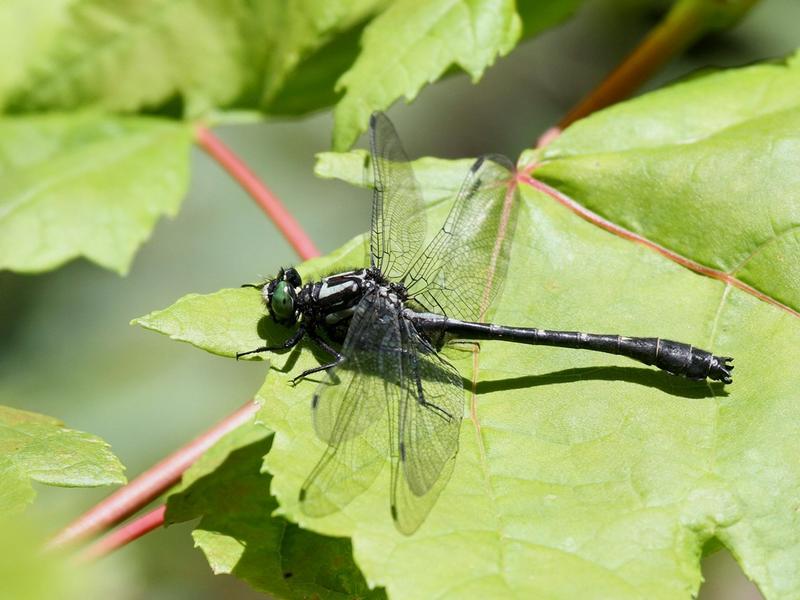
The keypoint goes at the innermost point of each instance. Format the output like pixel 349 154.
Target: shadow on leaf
pixel 670 384
pixel 239 535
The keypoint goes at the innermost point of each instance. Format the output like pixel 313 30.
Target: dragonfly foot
pixel 256 351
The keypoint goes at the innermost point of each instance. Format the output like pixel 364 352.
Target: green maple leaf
pixel 127 56
pixel 87 185
pixel 413 43
pixel 583 474
pixel 36 447
pixel 707 168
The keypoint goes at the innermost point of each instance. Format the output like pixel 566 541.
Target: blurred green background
pixel 66 348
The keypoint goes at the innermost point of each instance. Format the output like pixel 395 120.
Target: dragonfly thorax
pixel 329 302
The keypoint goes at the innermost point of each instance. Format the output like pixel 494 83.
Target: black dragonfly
pixel 388 390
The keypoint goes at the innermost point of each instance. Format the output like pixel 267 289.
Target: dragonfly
pixel 389 392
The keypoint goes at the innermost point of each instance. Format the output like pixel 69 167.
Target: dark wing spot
pixel 477 164
pixel 314 401
pixel 302 495
pixel 394 512
pixel 403 451
pixel 287 574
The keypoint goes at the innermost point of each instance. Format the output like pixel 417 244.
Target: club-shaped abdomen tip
pixel 721 369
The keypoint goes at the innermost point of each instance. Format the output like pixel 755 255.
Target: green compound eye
pixel 282 302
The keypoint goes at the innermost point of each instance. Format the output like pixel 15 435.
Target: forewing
pixel 425 426
pixel 462 269
pixel 349 409
pixel 398 222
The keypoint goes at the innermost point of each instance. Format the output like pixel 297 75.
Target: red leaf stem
pixel 262 195
pixel 124 535
pixel 150 484
pixel 684 24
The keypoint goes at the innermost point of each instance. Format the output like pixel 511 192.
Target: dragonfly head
pixel 280 296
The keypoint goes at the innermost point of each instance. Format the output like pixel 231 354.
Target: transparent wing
pixel 462 269
pixel 398 223
pixel 373 331
pixel 425 430
pixel 350 409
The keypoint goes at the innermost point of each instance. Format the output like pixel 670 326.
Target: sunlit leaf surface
pixel 709 168
pixel 86 185
pixel 39 448
pixel 127 56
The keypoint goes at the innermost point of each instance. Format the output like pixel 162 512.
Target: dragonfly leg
pixel 465 345
pixel 329 349
pixel 438 410
pixel 289 343
pixel 319 368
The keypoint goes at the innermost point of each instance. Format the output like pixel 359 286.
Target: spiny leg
pixel 339 358
pixel 289 343
pixel 437 410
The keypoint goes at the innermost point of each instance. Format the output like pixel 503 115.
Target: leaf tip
pixel 142 321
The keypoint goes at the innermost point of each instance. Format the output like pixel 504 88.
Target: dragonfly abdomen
pixel 675 357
